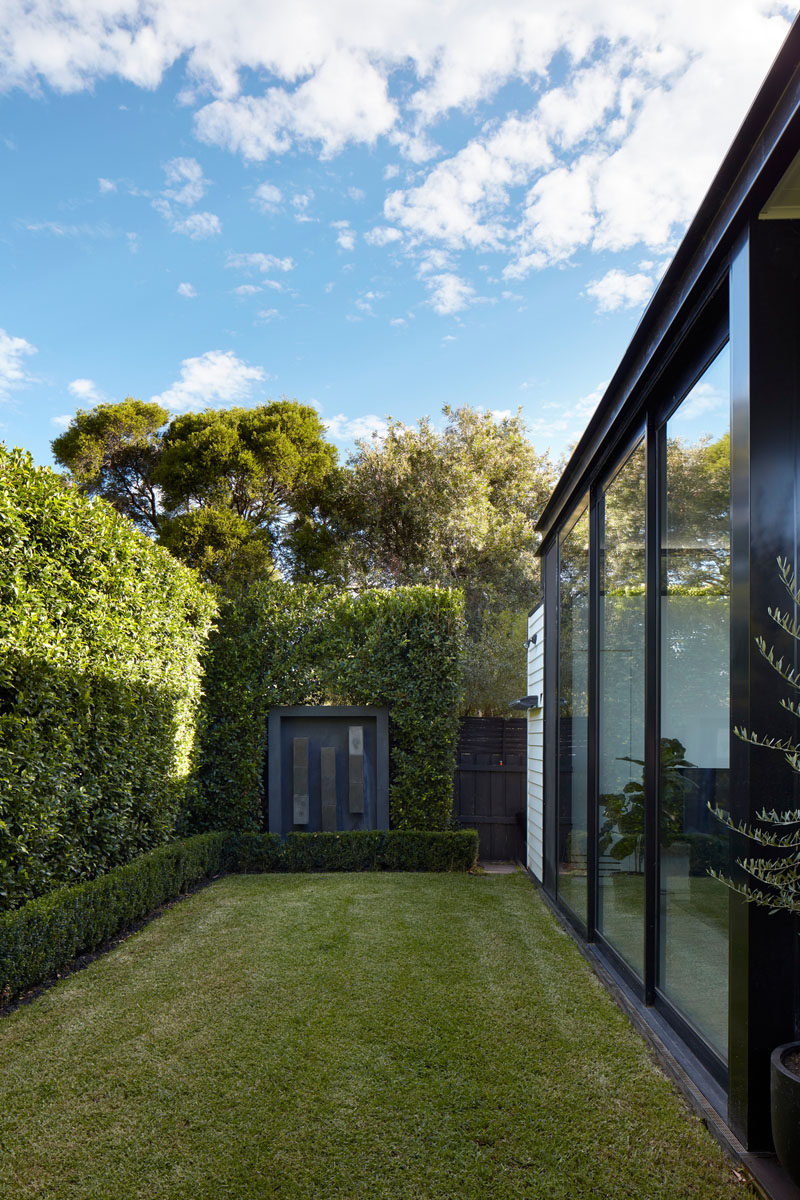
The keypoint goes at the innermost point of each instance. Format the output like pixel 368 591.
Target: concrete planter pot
pixel 785 1101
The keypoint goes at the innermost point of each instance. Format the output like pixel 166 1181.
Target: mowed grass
pixel 358 1036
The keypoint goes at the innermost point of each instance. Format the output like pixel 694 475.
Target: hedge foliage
pixel 100 638
pixel 292 645
pixel 382 849
pixel 44 935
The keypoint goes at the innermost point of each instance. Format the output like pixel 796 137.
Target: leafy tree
pixel 218 488
pixel 113 451
pixel 454 507
pixel 698 513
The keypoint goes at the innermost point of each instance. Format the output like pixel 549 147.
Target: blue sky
pixel 375 209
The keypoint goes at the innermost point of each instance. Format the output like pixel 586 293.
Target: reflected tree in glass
pixel 573 698
pixel 621 645
pixel 695 703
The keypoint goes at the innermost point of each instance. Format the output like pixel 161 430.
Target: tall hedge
pixel 100 641
pixel 284 645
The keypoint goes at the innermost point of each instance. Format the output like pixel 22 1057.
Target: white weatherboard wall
pixel 535 823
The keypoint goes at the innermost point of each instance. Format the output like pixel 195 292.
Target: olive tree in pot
pixel 776 876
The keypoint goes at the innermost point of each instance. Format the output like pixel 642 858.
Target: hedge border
pixel 43 936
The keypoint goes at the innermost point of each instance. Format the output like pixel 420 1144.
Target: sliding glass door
pixel 573 713
pixel 621 860
pixel 695 704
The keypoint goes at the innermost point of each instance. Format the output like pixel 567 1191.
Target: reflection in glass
pixel 695 705
pixel 573 697
pixel 621 641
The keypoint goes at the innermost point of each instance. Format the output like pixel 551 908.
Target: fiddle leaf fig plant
pixel 622 828
pixel 777 832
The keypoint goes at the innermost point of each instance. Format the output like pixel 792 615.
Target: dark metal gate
pixel 489 784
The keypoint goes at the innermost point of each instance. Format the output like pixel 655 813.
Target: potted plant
pixel 776 878
pixel 621 834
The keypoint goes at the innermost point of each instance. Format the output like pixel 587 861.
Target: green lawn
pixel 355 1036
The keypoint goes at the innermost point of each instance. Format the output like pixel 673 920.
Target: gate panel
pixel 489 784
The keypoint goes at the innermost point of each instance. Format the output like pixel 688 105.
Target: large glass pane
pixel 621 639
pixel 695 705
pixel 573 711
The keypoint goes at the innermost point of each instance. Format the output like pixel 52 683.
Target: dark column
pixel 652 705
pixel 551 760
pixel 765 331
pixel 593 733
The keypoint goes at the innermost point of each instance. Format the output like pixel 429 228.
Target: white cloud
pixel 13 372
pixel 435 260
pixel 85 390
pixel 187 290
pixel 464 199
pixel 564 423
pixel 247 289
pixel 185 186
pixel 268 197
pixel 623 110
pixel 62 229
pixel 382 235
pixel 703 398
pixel 216 378
pixel 617 289
pixel 345 99
pixel 349 429
pixel 185 181
pixel 345 238
pixel 268 314
pixel 259 262
pixel 62 422
pixel 449 293
pixel 198 225
pixel 106 185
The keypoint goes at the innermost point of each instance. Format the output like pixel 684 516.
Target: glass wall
pixel 573 713
pixel 621 643
pixel 666 806
pixel 695 705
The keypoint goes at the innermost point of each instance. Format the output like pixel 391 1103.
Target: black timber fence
pixel 489 784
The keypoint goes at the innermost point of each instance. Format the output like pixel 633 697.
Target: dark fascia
pixel 762 150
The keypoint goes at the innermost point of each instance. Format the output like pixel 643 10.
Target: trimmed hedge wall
pixel 100 638
pixel 287 645
pixel 44 935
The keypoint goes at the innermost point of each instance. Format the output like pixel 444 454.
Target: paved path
pixel 499 868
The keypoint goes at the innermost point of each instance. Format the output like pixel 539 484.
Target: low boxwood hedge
pixel 39 939
pixel 388 850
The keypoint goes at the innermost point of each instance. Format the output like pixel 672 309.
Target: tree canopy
pixel 453 506
pixel 243 494
pixel 218 488
pixel 113 451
